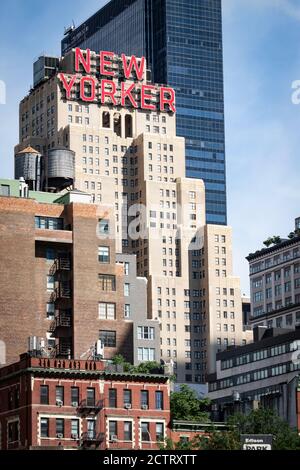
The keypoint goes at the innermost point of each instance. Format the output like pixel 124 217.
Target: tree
pixel 218 440
pixel 185 405
pixel 266 421
pixel 148 367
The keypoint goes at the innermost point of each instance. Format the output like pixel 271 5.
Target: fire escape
pixel 90 408
pixel 61 327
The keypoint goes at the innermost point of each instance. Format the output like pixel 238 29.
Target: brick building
pixel 60 280
pixel 72 404
pixel 131 157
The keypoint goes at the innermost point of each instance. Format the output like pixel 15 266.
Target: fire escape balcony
pixel 63 291
pixel 61 322
pixel 87 406
pixel 92 438
pixel 64 349
pixel 63 263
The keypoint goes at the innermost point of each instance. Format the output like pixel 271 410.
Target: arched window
pixel 128 125
pixel 106 119
pixel 117 124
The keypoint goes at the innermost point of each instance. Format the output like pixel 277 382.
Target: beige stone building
pixel 132 160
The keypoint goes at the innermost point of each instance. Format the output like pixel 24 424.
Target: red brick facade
pixel 32 415
pixel 24 293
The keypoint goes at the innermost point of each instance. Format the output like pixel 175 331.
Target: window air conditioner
pixel 59 403
pixel 59 436
pixel 145 407
pixel 113 438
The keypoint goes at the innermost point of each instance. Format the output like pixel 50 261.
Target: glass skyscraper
pixel 182 41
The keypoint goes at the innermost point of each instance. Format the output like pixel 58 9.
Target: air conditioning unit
pixel 74 404
pixel 145 407
pixel 128 406
pixel 59 403
pixel 59 436
pixel 74 436
pixel 113 438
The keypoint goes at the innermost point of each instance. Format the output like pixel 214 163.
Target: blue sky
pixel 261 58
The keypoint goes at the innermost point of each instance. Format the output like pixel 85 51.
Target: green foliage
pixel 143 368
pixel 264 421
pixel 275 240
pixel 228 440
pixel 185 405
pixel 147 367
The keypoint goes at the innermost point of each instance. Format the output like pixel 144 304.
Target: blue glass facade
pixel 182 41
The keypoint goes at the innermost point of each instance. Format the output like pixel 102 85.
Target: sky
pixel 261 61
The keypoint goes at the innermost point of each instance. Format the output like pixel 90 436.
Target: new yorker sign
pixel 108 90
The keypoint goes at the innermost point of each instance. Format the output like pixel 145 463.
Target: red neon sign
pixel 92 89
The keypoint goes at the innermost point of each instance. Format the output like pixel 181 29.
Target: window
pixel 108 338
pixel 159 400
pixel 107 282
pixel 146 332
pixel 127 397
pixel 50 283
pixel 126 269
pixel 126 289
pixel 49 223
pixel 50 311
pixel 60 428
pixel 59 395
pixel 112 398
pixel 113 430
pixel 145 432
pixel 75 428
pixel 103 226
pixel 127 431
pixel 107 311
pixel 44 427
pixel 144 398
pixel 159 432
pixel 74 396
pixel 90 397
pixel 103 254
pixel 13 431
pixel 44 395
pixel 146 354
pixel 127 311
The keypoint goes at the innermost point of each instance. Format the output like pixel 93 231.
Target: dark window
pixel 44 427
pixel 108 338
pixel 127 397
pixel 44 395
pixel 144 398
pixel 90 397
pixel 10 400
pixel 5 190
pixel 60 428
pixel 159 400
pixel 113 430
pixel 127 431
pixel 103 226
pixel 159 431
pixel 103 254
pixel 112 398
pixel 145 432
pixel 13 431
pixel 107 282
pixel 59 395
pixel 17 398
pixel 49 223
pixel 74 396
pixel 74 428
